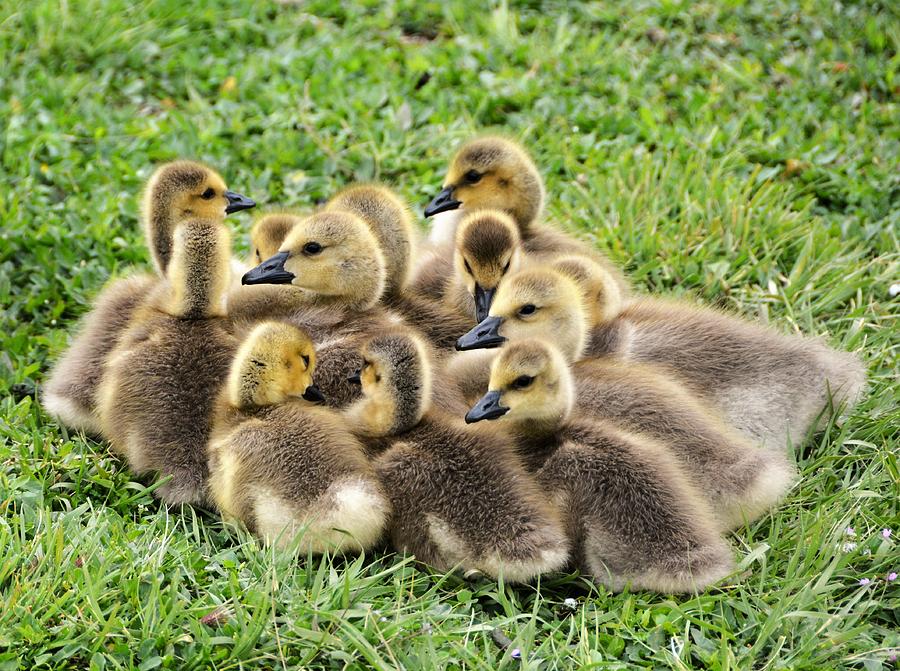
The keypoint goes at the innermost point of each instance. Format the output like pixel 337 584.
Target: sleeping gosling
pixel 292 473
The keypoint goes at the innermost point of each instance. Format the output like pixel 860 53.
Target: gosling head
pixel 530 387
pixel 396 384
pixel 332 256
pixel 273 365
pixel 535 302
pixel 269 233
pixel 487 247
pixel 492 173
pixel 601 292
pixel 180 191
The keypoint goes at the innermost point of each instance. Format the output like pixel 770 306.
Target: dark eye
pixel 522 382
pixel 258 255
pixel 305 358
pixel 208 194
pixel 472 177
pixel 506 267
pixel 312 248
pixel 528 309
pixel 468 267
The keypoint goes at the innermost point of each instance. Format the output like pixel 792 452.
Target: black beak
pixel 487 408
pixel 270 271
pixel 237 202
pixel 483 299
pixel 483 336
pixel 442 202
pixel 354 378
pixel 313 394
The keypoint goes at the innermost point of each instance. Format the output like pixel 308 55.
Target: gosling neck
pixel 199 270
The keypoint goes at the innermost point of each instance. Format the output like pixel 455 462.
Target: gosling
pixel 292 473
pixel 159 384
pixel 176 192
pixel 461 497
pixel 632 513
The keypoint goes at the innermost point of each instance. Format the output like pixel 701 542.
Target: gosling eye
pixel 208 194
pixel 468 267
pixel 527 309
pixel 377 377
pixel 522 382
pixel 312 248
pixel 258 255
pixel 305 358
pixel 472 177
pixel 506 267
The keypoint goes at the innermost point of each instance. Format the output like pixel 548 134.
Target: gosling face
pixel 269 233
pixel 274 364
pixel 488 246
pixel 536 302
pixel 332 255
pixel 530 384
pixel 492 173
pixel 185 189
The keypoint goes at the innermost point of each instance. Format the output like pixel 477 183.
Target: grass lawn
pixel 745 154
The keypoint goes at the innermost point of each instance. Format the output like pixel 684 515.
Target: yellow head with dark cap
pixel 268 234
pixel 333 256
pixel 530 387
pixel 492 172
pixel 180 191
pixel 396 384
pixel 535 302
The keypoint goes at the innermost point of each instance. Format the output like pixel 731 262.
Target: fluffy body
pixel 70 394
pixel 460 496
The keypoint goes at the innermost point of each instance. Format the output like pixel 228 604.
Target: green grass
pixel 743 153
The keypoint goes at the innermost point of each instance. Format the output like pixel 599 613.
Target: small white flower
pixel 570 603
pixel 848 547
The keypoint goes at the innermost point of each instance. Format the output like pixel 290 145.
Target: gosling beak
pixel 313 394
pixel 483 299
pixel 487 408
pixel 484 336
pixel 354 378
pixel 442 202
pixel 237 202
pixel 270 271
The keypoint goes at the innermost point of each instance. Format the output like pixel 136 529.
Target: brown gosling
pixel 774 388
pixel 159 384
pixel 632 513
pixel 292 473
pixel 460 496
pixel 175 192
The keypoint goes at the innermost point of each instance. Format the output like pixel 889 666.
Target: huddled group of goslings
pixel 494 398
